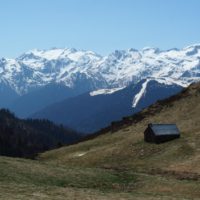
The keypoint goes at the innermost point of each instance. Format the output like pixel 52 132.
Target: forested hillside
pixel 27 138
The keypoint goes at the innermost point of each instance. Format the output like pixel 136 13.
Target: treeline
pixel 27 138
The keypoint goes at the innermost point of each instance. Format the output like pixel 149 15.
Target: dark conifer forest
pixel 27 138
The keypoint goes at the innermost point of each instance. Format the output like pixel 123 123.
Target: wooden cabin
pixel 159 133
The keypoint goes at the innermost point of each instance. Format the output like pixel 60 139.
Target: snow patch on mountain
pixel 140 94
pixel 105 91
pixel 171 81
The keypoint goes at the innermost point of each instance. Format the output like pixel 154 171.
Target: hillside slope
pixel 26 138
pixel 125 148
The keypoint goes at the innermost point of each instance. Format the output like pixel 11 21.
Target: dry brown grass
pixel 126 150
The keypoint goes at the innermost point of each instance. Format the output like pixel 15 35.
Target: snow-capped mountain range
pixel 87 91
pixel 71 67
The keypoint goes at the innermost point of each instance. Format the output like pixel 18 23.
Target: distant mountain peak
pixel 75 68
pixel 151 49
pixel 196 46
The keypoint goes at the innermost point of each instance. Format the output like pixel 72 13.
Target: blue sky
pixel 98 25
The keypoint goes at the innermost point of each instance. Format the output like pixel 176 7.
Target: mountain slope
pixel 26 138
pixel 126 149
pixel 7 95
pixel 92 111
pixel 34 101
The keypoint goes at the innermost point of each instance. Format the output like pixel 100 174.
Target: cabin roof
pixel 164 129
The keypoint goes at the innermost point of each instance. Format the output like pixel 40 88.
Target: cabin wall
pixel 149 136
pixel 165 138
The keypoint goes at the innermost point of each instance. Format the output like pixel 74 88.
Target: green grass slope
pixel 26 179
